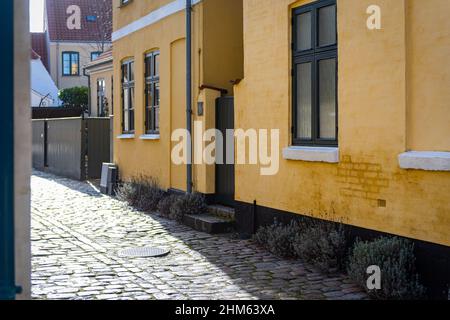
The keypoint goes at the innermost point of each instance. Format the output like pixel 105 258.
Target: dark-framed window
pixel 314 74
pixel 95 55
pixel 101 98
pixel 152 97
pixel 128 96
pixel 70 63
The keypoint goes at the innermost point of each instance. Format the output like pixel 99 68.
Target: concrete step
pixel 209 223
pixel 221 211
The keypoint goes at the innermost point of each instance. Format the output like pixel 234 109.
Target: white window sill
pixel 150 137
pixel 312 154
pixel 425 160
pixel 125 136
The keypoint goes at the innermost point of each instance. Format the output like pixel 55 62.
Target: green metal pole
pixel 7 275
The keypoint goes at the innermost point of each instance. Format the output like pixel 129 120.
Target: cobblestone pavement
pixel 77 232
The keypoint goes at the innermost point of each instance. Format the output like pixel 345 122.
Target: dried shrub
pixel 165 205
pixel 188 204
pixel 278 238
pixel 143 193
pixel 323 245
pixel 395 257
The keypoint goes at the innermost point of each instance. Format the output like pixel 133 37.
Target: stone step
pixel 221 211
pixel 209 223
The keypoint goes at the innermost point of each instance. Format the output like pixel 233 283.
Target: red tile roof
pixel 91 31
pixel 39 46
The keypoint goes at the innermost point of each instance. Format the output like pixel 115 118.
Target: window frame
pixel 314 55
pixel 151 80
pixel 130 87
pixel 95 52
pixel 70 53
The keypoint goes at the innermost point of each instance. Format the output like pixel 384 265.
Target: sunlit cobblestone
pixel 77 232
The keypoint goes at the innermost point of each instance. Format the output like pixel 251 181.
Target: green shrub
pixel 141 192
pixel 323 245
pixel 75 97
pixel 396 259
pixel 278 238
pixel 188 204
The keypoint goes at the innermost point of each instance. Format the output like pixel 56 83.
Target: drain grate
pixel 143 252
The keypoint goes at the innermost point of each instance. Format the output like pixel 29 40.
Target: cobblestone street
pixel 77 232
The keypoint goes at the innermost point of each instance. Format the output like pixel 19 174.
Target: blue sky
pixel 36 15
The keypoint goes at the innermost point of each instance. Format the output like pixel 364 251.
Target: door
pixel 225 172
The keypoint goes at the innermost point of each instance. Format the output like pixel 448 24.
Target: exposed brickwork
pixel 363 180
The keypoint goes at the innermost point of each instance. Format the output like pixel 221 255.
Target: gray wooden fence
pixel 71 147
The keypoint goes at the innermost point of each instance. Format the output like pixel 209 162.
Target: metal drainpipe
pixel 89 111
pixel 189 92
pixel 8 288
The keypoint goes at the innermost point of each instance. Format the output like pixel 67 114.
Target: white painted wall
pixel 42 84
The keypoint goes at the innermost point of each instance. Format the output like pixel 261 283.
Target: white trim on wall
pixel 311 154
pixel 151 18
pixel 425 160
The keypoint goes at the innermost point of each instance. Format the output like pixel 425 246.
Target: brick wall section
pixel 363 180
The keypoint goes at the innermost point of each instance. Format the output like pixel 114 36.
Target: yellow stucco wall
pixel 376 123
pixel 428 75
pixel 152 157
pixel 223 41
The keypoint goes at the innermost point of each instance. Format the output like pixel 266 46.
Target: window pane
pixel 148 95
pixel 131 120
pixel 304 101
pixel 126 99
pixel 156 102
pixel 327 26
pixel 131 98
pixel 126 121
pixel 327 99
pixel 304 31
pixel 131 71
pixel 74 67
pixel 156 65
pixel 148 65
pixel 124 73
pixel 66 63
pixel 156 119
pixel 66 68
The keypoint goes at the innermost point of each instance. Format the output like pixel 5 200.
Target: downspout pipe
pixel 189 93
pixel 88 76
pixel 8 288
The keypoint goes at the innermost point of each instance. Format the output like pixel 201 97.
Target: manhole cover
pixel 145 252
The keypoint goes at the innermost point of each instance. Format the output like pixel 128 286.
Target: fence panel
pixel 98 145
pixel 66 147
pixel 39 144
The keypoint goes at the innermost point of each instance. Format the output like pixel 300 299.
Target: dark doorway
pixel 225 172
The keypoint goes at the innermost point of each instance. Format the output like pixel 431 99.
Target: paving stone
pixel 77 232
